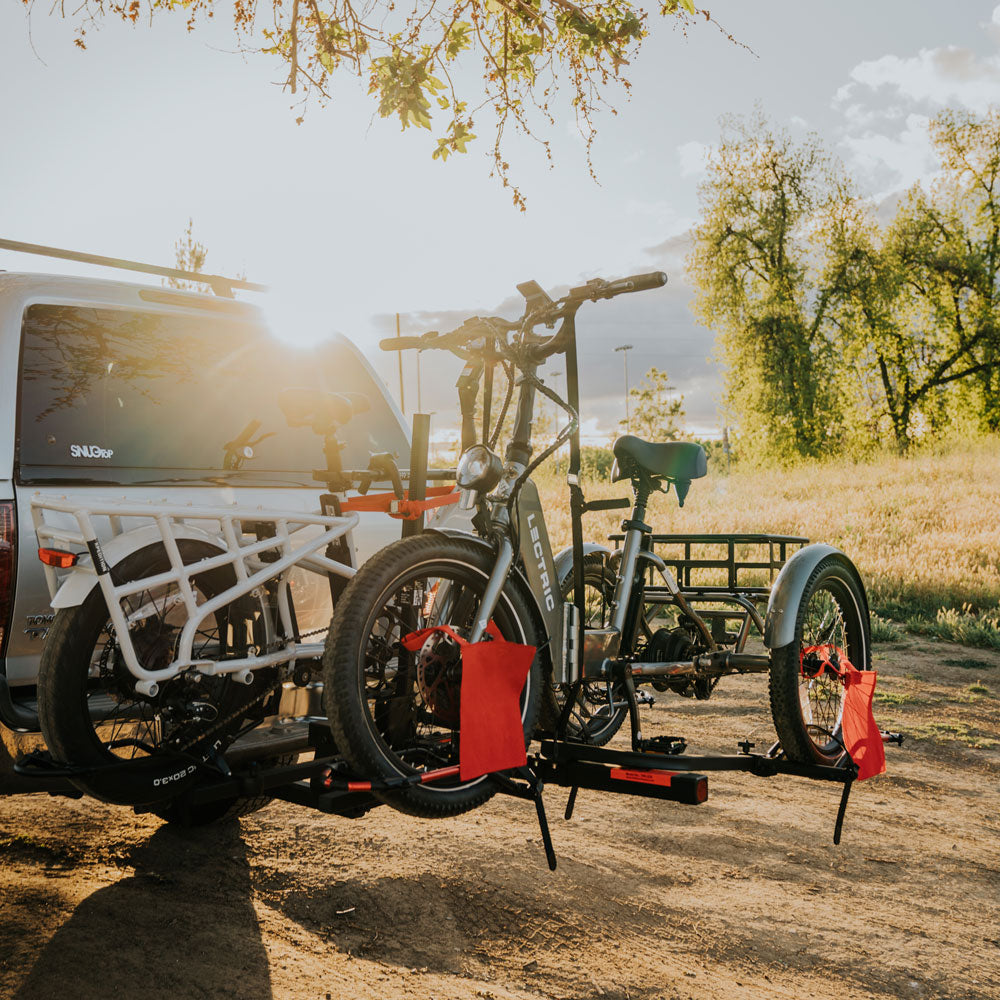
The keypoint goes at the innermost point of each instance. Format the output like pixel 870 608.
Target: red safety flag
pixel 493 676
pixel 859 730
pixel 862 736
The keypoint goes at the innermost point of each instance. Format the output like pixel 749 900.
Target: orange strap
pixel 405 509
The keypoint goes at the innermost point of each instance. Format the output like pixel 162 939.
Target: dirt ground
pixel 744 896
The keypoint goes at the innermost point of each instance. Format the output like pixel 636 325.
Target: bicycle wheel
pixel 395 713
pixel 808 710
pixel 90 713
pixel 600 707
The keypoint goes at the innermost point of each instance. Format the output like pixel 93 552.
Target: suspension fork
pixel 494 587
pixel 338 550
pixel 518 455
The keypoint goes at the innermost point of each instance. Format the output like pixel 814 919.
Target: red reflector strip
pixel 57 558
pixel 441 772
pixel 359 786
pixel 644 777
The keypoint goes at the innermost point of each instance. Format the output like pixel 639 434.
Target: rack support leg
pixel 839 825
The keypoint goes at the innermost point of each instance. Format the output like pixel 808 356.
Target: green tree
pixel 407 55
pixel 751 266
pixel 656 413
pixel 915 300
pixel 838 330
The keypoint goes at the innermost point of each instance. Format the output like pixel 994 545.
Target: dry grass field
pixel 924 531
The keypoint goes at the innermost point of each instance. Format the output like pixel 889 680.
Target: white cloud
pixel 996 15
pixel 693 157
pixel 894 161
pixel 945 76
pixel 888 102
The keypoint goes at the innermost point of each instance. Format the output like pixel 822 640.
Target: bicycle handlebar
pixel 600 289
pixel 639 282
pixel 476 328
pixel 596 289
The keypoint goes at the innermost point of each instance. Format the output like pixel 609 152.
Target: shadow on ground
pixel 182 924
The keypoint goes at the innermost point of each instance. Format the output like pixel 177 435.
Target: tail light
pixel 8 553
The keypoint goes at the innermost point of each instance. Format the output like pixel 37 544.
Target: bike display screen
pixel 119 395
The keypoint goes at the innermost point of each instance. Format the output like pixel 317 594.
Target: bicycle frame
pixel 579 655
pixel 236 532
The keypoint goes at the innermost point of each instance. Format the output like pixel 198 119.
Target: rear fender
pixel 564 561
pixel 80 583
pixel 786 595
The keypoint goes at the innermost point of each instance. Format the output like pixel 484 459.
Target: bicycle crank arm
pixel 713 664
pixel 674 668
pixel 724 662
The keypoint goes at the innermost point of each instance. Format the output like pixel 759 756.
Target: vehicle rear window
pixel 105 391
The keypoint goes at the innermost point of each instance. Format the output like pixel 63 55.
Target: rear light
pixel 57 558
pixel 8 554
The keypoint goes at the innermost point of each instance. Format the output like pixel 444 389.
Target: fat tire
pixel 834 573
pixel 63 674
pixel 343 668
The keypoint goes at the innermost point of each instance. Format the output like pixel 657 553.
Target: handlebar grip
pixel 638 283
pixel 403 343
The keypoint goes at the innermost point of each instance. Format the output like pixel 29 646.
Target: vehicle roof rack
pixel 219 284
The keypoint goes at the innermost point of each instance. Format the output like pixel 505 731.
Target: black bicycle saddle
pixel 323 411
pixel 676 461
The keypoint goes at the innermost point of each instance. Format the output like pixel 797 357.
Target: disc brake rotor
pixel 439 678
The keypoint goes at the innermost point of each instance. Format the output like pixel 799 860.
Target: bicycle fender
pixel 79 585
pixel 564 561
pixel 786 594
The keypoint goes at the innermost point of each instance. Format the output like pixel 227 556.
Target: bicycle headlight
pixel 478 469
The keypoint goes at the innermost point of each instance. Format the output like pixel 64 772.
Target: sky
pixel 111 150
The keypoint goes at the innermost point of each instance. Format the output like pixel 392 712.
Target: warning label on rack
pixel 646 777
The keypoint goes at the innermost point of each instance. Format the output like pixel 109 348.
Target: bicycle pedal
pixel 644 698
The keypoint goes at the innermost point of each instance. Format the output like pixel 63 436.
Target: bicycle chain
pixel 243 709
pixel 235 714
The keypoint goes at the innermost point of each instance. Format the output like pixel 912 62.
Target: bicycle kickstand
pixel 534 789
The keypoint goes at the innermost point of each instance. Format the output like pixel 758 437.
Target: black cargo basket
pixel 720 564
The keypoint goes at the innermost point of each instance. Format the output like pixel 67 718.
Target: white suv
pixel 134 391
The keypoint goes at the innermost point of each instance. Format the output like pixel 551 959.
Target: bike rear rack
pixel 688 555
pixel 711 571
pixel 290 539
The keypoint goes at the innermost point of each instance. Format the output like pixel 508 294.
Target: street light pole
pixel 625 348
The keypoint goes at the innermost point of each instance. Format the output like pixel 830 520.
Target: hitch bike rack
pixel 326 785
